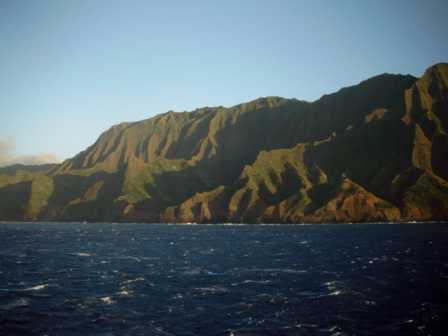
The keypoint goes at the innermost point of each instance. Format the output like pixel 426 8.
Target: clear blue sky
pixel 71 69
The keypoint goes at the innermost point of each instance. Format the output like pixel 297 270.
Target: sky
pixel 70 69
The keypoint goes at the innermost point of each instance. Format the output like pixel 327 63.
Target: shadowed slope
pixel 373 151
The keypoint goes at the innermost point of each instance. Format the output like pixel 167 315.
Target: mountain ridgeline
pixel 376 151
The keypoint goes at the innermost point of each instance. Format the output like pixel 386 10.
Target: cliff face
pixel 376 151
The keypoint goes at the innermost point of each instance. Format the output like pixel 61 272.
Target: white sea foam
pixel 338 333
pixel 330 283
pixel 82 254
pixel 334 330
pixel 107 300
pixel 133 280
pixel 37 287
pixel 257 282
pixel 125 292
pixel 335 293
pixel 333 285
pixel 178 296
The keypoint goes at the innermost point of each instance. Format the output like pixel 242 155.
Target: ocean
pixel 159 279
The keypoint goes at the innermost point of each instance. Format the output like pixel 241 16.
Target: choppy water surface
pixel 134 279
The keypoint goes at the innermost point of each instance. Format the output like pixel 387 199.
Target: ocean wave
pixel 310 293
pixel 129 258
pixel 82 254
pixel 212 290
pixel 107 300
pixel 272 270
pixel 321 294
pixel 193 271
pixel 198 271
pixel 257 282
pixel 37 287
pixel 129 281
pixel 21 302
pixel 333 285
pixel 335 293
pixel 307 326
pixel 125 292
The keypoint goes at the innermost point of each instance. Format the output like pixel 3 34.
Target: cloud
pixel 7 146
pixel 35 159
pixel 7 157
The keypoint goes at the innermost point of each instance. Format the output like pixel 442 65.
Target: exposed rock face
pixel 377 151
pixel 351 202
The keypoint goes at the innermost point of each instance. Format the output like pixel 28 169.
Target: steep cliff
pixel 376 151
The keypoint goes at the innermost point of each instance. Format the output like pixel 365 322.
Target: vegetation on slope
pixel 374 151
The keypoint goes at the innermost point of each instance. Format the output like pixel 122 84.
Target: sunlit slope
pixel 373 151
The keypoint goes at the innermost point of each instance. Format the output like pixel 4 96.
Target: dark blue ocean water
pixel 136 279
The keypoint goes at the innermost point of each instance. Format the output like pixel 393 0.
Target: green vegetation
pixel 41 190
pixel 374 151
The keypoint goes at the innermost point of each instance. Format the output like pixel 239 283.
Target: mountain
pixel 376 151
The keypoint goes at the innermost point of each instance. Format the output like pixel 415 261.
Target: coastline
pixel 225 224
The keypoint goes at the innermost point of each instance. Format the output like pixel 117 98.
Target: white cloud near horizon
pixel 8 157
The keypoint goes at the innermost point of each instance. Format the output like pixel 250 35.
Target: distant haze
pixel 8 156
pixel 71 69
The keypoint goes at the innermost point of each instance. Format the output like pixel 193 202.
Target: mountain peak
pixel 438 67
pixel 438 73
pixel 269 159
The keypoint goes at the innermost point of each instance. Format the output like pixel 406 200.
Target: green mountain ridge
pixel 376 151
